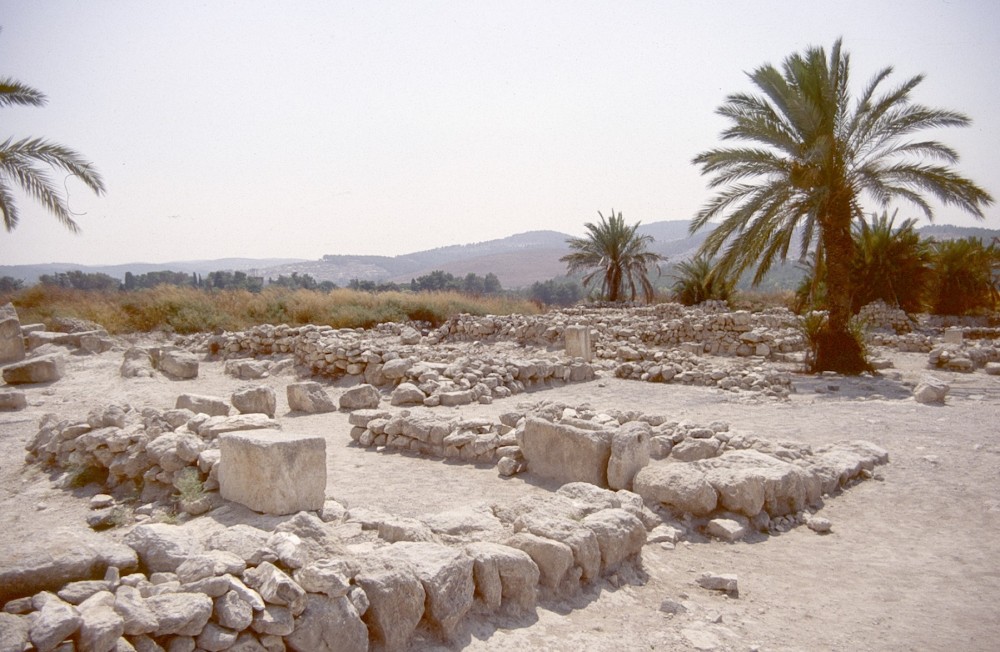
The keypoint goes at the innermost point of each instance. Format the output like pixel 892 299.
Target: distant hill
pixel 518 260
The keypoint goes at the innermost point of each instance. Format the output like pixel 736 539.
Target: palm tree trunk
pixel 837 349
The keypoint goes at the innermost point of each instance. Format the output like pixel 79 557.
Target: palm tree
pixel 696 281
pixel 617 255
pixel 965 277
pixel 890 264
pixel 24 162
pixel 812 152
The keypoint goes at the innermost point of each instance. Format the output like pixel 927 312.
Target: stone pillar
pixel 11 337
pixel 953 336
pixel 578 342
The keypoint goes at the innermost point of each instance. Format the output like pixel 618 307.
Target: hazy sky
pixel 297 129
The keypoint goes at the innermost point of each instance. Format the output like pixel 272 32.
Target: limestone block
pixel 581 540
pixel 630 448
pixel 953 336
pixel 565 453
pixel 328 625
pixel 11 400
pixel 255 400
pixel 43 369
pixel 396 600
pixel 553 558
pixel 620 536
pixel 161 546
pixel 197 403
pixel 407 394
pixel 578 343
pixel 180 365
pixel 360 397
pixel 55 621
pixel 137 363
pixel 446 575
pixel 309 396
pixel 931 390
pixel 505 577
pixel 677 485
pixel 184 614
pixel 273 472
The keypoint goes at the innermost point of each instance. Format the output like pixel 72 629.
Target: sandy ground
pixel 913 562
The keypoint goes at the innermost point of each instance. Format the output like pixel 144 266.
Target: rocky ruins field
pixel 821 545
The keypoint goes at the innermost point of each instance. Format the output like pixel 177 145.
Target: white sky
pixel 297 129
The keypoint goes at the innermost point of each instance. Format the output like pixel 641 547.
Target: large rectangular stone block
pixel 578 342
pixel 273 472
pixel 566 454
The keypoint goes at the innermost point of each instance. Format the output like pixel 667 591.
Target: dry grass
pixel 191 310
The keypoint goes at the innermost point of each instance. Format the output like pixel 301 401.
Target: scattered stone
pixel 254 400
pixel 360 398
pixel 672 607
pixel 12 400
pixel 727 529
pixel 819 524
pixel 43 369
pixel 309 397
pixel 179 365
pixel 715 582
pixel 931 390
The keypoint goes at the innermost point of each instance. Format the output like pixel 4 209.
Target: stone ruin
pixel 361 578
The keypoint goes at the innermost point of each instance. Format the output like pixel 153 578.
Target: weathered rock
pixel 183 614
pixel 446 575
pixel 255 400
pixel 137 617
pixel 11 337
pixel 69 554
pixel 396 368
pixel 505 577
pixel 402 528
pixel 209 563
pixel 581 540
pixel 232 611
pixel 931 390
pixel 328 625
pixel 53 623
pixel 137 363
pixel 360 398
pixel 215 426
pixel 329 576
pixel 276 587
pixel 180 365
pixel 241 539
pixel 727 529
pixel 246 369
pixel 210 405
pixel 464 524
pixel 630 446
pixel 565 453
pixel 12 400
pixel 101 627
pixel 273 472
pixel 309 397
pixel 692 449
pixel 396 598
pixel 43 369
pixel 717 582
pixel 407 394
pixel 161 546
pixel 620 536
pixel 13 632
pixel 215 638
pixel 273 620
pixel 819 524
pixel 680 486
pixel 553 558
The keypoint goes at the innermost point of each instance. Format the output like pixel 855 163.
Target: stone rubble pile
pixel 389 355
pixel 684 367
pixel 304 587
pixel 147 455
pixel 966 357
pixel 771 334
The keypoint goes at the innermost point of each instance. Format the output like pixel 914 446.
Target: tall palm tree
pixel 812 151
pixel 617 255
pixel 26 163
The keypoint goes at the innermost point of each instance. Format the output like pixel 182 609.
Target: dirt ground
pixel 913 562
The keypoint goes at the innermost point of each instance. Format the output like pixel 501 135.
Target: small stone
pixel 715 582
pixel 672 607
pixel 819 524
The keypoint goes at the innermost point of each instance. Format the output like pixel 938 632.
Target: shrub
pixel 697 281
pixel 965 277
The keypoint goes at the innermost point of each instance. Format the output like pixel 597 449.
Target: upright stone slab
pixel 11 337
pixel 578 342
pixel 273 472
pixel 566 454
pixel 953 336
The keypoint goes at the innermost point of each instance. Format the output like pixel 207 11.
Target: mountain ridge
pixel 518 260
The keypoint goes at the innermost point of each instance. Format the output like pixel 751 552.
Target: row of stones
pixel 739 333
pixel 300 588
pixel 388 354
pixel 963 357
pixel 684 367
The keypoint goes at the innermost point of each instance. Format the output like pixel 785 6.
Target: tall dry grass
pixel 192 310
